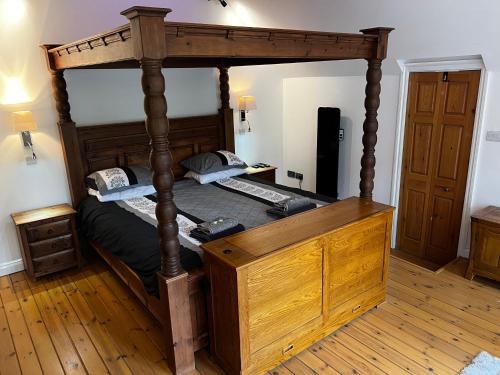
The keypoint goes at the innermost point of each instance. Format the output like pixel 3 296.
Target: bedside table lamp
pixel 246 103
pixel 25 123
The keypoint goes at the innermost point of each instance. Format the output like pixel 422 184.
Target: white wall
pixel 424 29
pixel 486 190
pixel 303 96
pixel 264 142
pixel 188 91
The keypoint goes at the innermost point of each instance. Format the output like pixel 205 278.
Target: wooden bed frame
pixel 125 144
pixel 150 44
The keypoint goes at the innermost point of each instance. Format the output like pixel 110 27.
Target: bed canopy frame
pixel 150 44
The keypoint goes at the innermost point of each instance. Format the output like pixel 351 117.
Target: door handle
pixel 446 189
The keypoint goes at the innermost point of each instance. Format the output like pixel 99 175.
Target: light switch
pixel 493 136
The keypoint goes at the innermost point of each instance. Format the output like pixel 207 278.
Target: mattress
pixel 130 233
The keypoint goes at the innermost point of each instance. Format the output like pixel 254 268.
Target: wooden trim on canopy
pixel 199 45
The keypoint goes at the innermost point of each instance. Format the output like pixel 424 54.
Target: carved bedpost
pixel 67 132
pixel 370 127
pixel 225 110
pixel 146 25
pixel 372 103
pixel 61 96
pixel 155 106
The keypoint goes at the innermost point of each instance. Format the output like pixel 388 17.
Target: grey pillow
pixel 211 162
pixel 114 180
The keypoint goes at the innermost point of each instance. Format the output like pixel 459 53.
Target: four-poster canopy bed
pixel 150 44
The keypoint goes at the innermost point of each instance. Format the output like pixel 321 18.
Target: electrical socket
pixel 341 135
pixel 297 175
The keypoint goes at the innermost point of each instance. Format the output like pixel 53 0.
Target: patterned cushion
pixel 114 180
pixel 214 176
pixel 133 192
pixel 211 162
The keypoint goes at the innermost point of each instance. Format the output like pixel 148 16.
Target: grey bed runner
pixel 145 207
pixel 251 190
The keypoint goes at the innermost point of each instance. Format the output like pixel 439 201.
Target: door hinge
pixel 445 76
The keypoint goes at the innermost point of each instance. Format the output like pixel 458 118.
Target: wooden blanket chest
pixel 277 289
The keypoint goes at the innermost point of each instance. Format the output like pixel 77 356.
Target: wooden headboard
pixel 124 144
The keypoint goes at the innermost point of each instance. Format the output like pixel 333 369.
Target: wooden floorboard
pixel 88 322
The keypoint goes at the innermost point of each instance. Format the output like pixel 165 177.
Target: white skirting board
pixel 11 267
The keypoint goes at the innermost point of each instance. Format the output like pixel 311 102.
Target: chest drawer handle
pixel 50 231
pixel 356 308
pixel 287 348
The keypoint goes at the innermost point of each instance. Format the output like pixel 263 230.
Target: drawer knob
pixel 50 231
pixel 287 348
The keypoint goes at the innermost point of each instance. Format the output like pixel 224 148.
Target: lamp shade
pixel 247 103
pixel 24 121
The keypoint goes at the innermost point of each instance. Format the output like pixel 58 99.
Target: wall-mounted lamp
pixel 246 103
pixel 14 91
pixel 24 123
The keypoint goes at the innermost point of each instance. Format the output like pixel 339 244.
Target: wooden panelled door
pixel 438 136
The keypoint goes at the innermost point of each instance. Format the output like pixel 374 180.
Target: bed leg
pixel 174 295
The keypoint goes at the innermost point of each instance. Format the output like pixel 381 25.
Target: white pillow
pixel 136 192
pixel 211 177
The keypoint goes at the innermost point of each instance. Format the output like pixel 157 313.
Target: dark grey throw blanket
pixel 238 198
pixel 291 206
pixel 217 225
pixel 206 237
pixel 215 229
pixel 293 203
pixel 213 200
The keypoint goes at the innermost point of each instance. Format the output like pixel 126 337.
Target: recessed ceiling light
pixel 222 2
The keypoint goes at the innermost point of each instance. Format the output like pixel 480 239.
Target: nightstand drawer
pixel 49 230
pixel 269 175
pixel 264 173
pixel 51 246
pixel 54 262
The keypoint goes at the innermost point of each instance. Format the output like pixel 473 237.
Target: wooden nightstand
pixel 484 257
pixel 267 173
pixel 48 239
